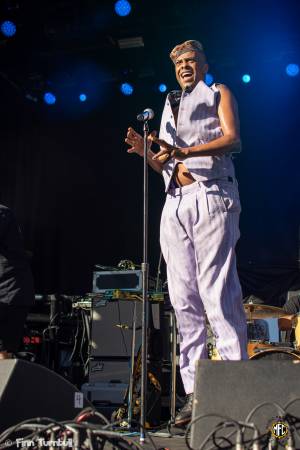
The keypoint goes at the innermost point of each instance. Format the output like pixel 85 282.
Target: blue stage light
pixel 162 87
pixel 82 97
pixel 49 98
pixel 122 8
pixel 292 70
pixel 209 79
pixel 126 89
pixel 8 28
pixel 246 78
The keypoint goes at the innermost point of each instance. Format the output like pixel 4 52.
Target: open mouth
pixel 186 75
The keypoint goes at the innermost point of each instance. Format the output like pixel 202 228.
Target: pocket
pixel 222 196
pixel 230 196
pixel 214 199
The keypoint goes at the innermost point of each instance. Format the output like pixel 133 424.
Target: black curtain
pixel 78 195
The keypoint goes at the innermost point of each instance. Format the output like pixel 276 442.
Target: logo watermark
pixel 41 442
pixel 279 429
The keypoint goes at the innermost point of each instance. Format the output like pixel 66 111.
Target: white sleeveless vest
pixel 197 123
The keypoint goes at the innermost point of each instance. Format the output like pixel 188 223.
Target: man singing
pixel 200 220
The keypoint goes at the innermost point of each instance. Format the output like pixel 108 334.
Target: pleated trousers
pixel 198 233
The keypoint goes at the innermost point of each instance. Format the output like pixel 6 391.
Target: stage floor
pixel 161 440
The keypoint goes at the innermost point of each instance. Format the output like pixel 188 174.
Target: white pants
pixel 199 231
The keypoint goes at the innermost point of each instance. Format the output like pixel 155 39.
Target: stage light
pixel 292 70
pixel 162 87
pixel 122 8
pixel 209 79
pixel 246 78
pixel 49 98
pixel 126 89
pixel 8 28
pixel 82 97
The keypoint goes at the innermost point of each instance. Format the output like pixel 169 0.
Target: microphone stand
pixel 145 272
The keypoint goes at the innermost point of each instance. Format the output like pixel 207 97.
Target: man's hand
pixel 168 151
pixel 137 142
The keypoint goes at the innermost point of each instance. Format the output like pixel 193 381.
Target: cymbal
pixel 254 311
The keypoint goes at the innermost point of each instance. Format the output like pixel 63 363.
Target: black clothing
pixel 16 283
pixel 184 415
pixel 12 319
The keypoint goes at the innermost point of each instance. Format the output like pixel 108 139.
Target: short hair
pixel 187 46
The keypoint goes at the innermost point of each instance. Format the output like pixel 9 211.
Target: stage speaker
pixel 29 390
pixel 234 388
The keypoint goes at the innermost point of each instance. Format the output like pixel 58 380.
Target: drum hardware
pixel 254 347
pixel 256 311
pixel 278 353
pixel 258 330
pixel 260 338
pixel 257 318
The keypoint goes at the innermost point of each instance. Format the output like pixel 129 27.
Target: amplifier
pixel 112 326
pixel 129 280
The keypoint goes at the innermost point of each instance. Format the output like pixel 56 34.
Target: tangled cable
pixel 89 430
pixel 236 438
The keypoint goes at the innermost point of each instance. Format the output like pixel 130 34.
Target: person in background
pixel 292 304
pixel 16 284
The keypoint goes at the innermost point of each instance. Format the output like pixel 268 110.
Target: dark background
pixel 64 169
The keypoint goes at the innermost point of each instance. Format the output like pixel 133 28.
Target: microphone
pixel 147 114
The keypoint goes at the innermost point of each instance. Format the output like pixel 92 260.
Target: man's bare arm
pixel 229 120
pixel 229 142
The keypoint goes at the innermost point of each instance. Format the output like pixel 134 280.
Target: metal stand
pixel 174 357
pixel 145 271
pixel 131 380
